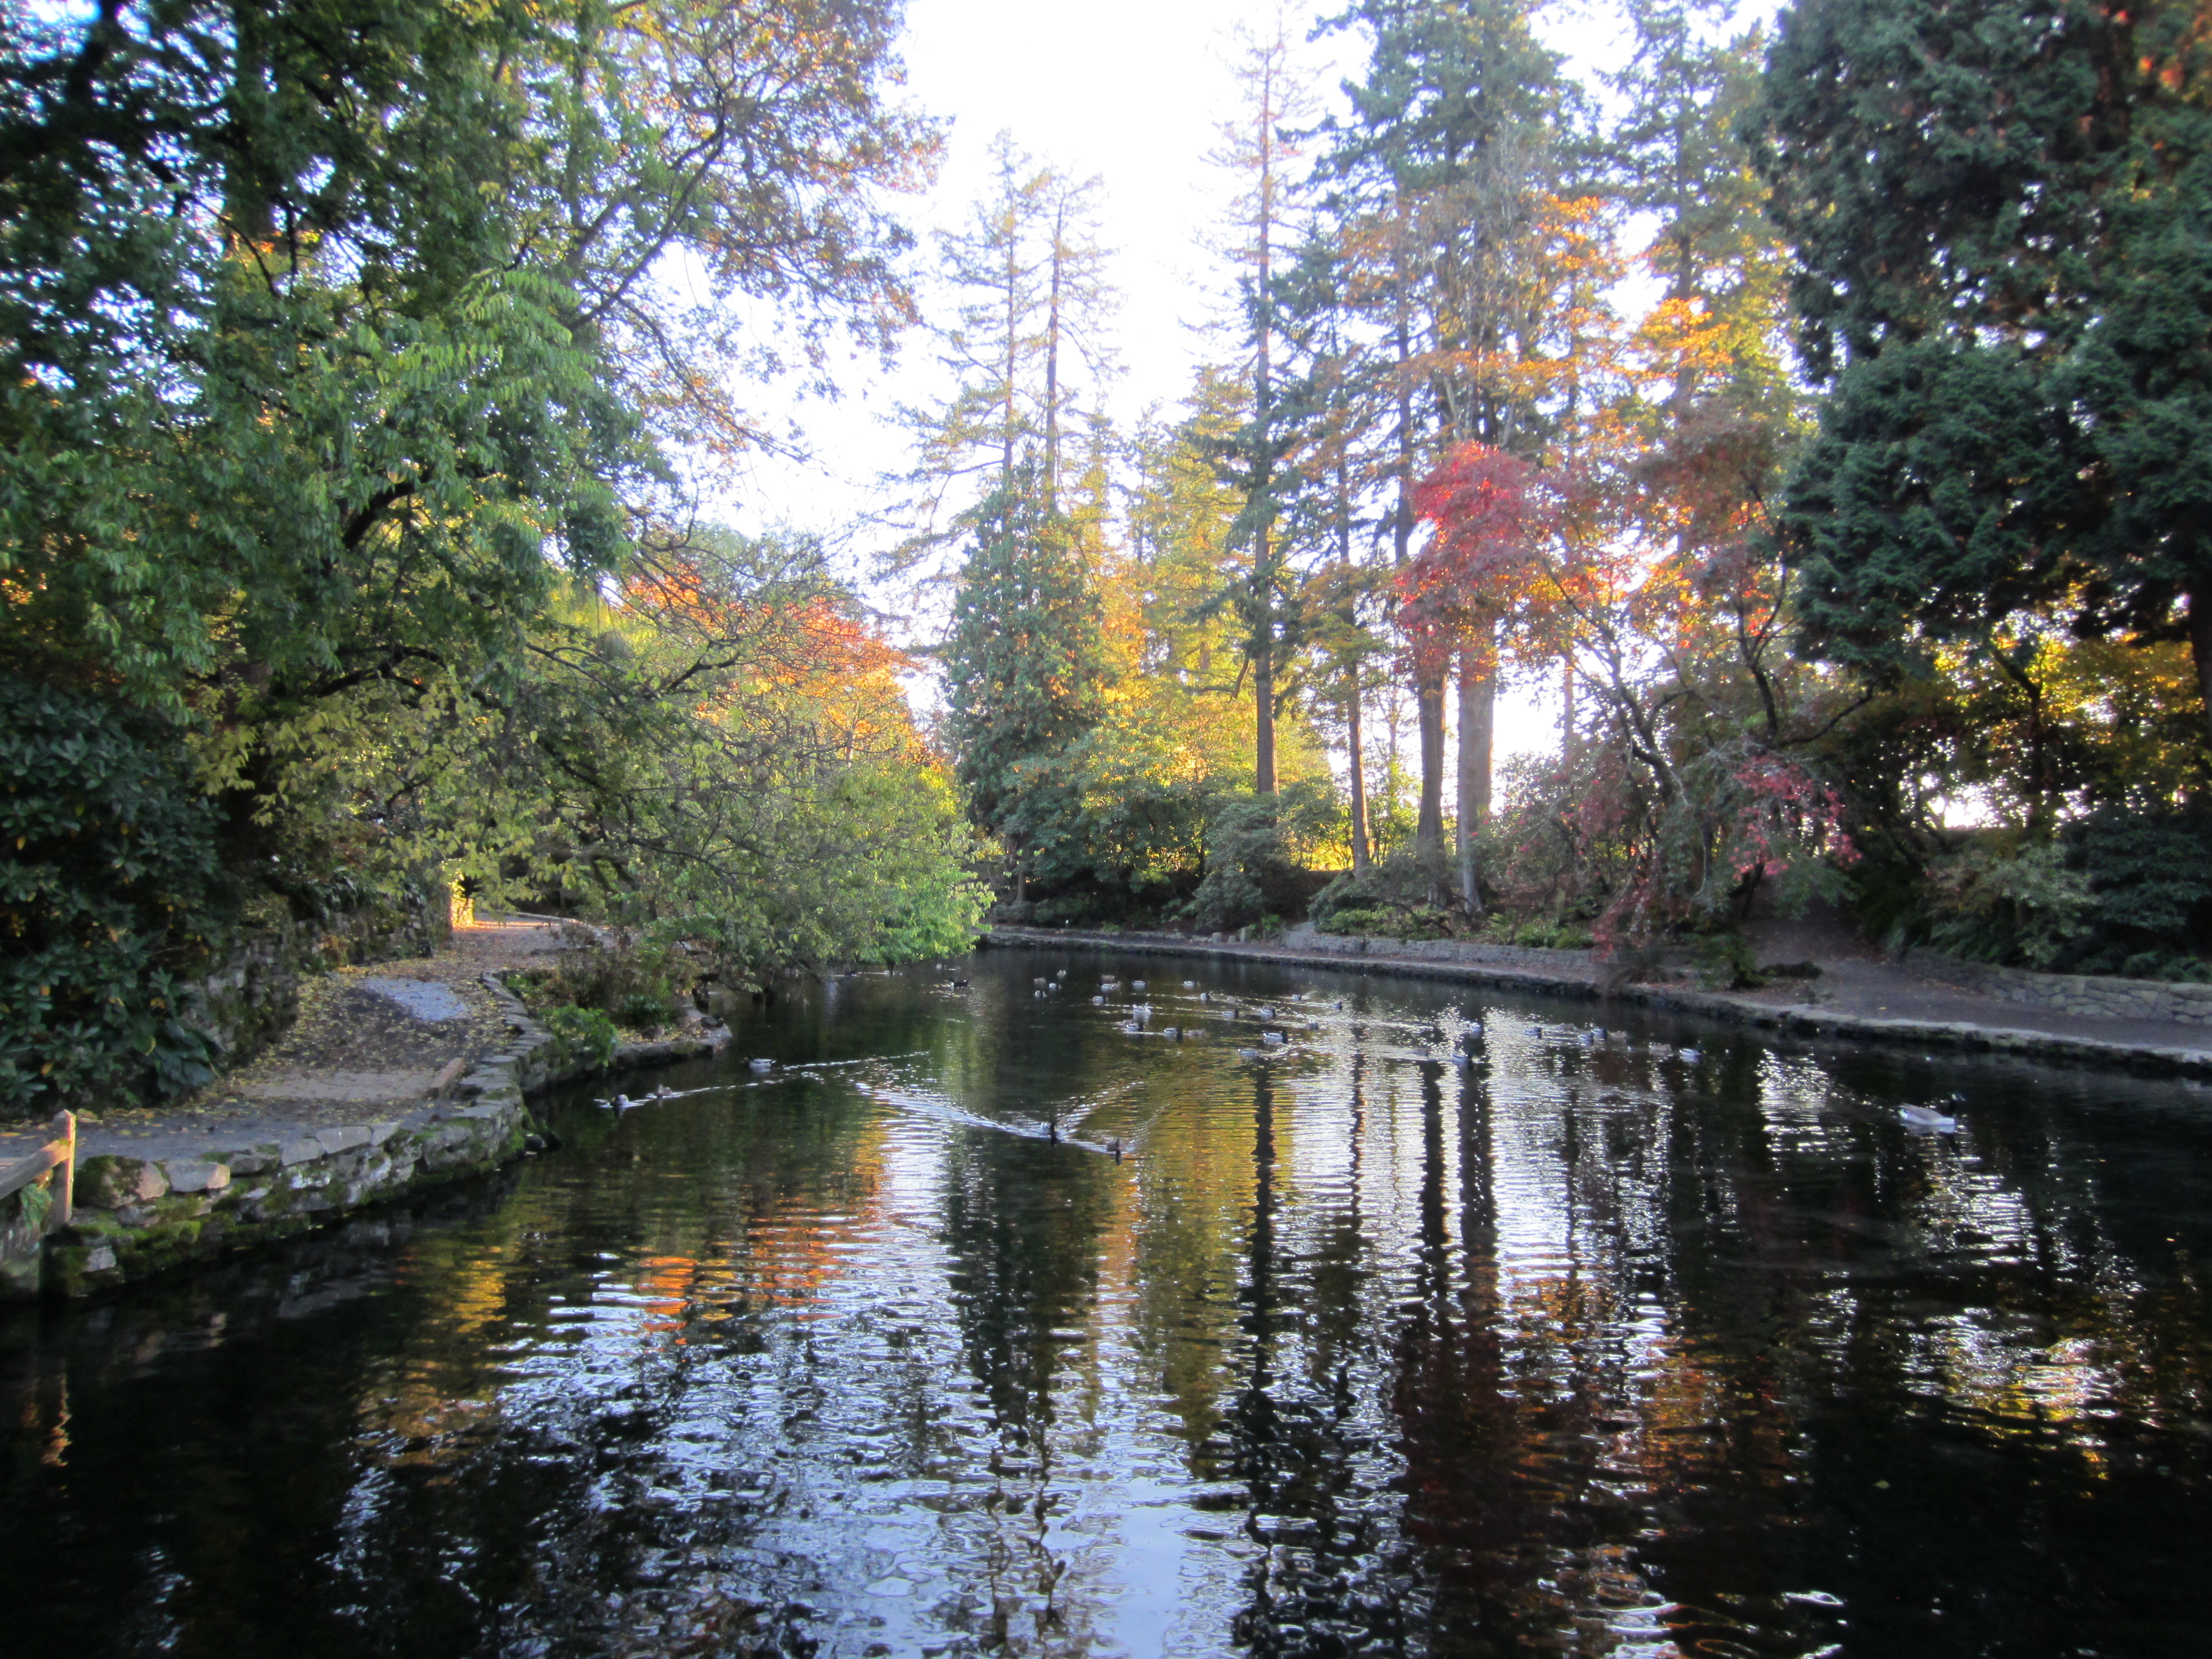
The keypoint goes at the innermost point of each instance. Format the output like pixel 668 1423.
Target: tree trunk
pixel 1356 754
pixel 2199 589
pixel 1428 708
pixel 1263 711
pixel 1478 712
pixel 1052 362
pixel 1567 716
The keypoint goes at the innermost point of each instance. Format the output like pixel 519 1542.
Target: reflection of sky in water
pixel 1590 1346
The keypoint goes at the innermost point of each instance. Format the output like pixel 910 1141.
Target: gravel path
pixel 369 1043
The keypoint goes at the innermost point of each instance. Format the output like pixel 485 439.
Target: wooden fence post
pixel 64 1172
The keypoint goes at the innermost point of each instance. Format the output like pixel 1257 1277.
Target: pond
pixel 1623 1336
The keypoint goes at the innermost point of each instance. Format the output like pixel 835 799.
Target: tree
pixel 1260 149
pixel 1028 273
pixel 1022 673
pixel 2004 284
pixel 1461 132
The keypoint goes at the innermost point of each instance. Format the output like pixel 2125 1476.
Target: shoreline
pixel 2184 1059
pixel 132 1220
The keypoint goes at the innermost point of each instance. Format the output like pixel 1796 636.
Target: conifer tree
pixel 2003 224
pixel 1022 667
pixel 1030 302
pixel 1460 134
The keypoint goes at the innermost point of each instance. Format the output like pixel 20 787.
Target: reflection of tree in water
pixel 1296 1435
pixel 580 1510
pixel 1023 1224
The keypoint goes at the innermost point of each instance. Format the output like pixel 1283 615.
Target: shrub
pixel 641 980
pixel 1725 963
pixel 1248 871
pixel 644 1012
pixel 104 899
pixel 1993 904
pixel 582 1034
pixel 2149 874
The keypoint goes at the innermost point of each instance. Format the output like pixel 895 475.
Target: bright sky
pixel 1132 92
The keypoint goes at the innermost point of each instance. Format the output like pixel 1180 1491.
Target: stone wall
pixel 2072 994
pixel 249 997
pixel 1433 949
pixel 136 1218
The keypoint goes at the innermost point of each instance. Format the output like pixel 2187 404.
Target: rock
pixel 100 1259
pixel 188 1175
pixel 345 1137
pixel 246 1160
pixel 111 1181
pixel 305 1150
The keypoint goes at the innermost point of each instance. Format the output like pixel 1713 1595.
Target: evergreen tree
pixel 1031 300
pixel 1022 667
pixel 1460 134
pixel 2003 221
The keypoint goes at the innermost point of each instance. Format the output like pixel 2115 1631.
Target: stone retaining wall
pixel 1433 949
pixel 2074 993
pixel 250 996
pixel 137 1217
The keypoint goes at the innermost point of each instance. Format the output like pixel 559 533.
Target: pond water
pixel 1628 1337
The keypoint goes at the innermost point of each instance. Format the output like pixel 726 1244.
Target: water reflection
pixel 1611 1338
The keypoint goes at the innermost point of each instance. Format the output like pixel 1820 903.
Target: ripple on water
pixel 1619 1340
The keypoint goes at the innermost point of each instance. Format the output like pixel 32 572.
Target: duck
pixel 1271 1037
pixel 1115 1147
pixel 761 1063
pixel 1190 985
pixel 1098 1002
pixel 1173 1033
pixel 1136 985
pixel 1927 1120
pixel 1248 1054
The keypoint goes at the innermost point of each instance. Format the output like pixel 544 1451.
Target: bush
pixel 105 900
pixel 1391 901
pixel 645 1011
pixel 582 1034
pixel 1248 871
pixel 642 981
pixel 1725 963
pixel 1993 904
pixel 2150 875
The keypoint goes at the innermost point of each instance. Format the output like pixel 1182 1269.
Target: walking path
pixel 1858 993
pixel 375 1042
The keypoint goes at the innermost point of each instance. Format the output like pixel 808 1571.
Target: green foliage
pixel 1022 665
pixel 1995 902
pixel 2000 218
pixel 2150 879
pixel 1725 962
pixel 582 1034
pixel 339 379
pixel 1249 874
pixel 109 893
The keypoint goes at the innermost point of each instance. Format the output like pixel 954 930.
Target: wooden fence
pixel 59 1154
